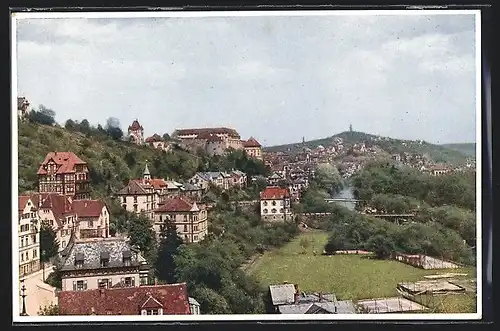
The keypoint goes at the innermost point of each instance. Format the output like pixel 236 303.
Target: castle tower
pixel 136 132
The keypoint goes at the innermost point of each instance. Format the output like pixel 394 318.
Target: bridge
pixel 390 215
pixel 342 200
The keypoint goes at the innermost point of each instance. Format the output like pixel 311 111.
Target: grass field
pixel 348 276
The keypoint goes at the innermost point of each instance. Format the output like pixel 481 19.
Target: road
pixel 37 292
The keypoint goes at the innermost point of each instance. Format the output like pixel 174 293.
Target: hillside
pixel 439 153
pixel 468 149
pixel 112 163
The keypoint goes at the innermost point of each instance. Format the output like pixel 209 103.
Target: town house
pixel 275 204
pixel 22 107
pixel 64 173
pixel 190 219
pixel 253 148
pixel 95 263
pixel 156 141
pixel 140 196
pixel 169 299
pixel 217 178
pixel 28 236
pixel 93 219
pixel 57 211
pixel 238 178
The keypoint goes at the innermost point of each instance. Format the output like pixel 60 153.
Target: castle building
pixel 136 133
pixel 253 148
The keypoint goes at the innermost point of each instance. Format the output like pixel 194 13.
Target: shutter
pixel 84 284
pixel 74 285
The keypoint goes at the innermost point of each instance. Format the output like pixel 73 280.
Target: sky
pixel 277 78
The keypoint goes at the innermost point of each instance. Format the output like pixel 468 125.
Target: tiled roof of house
pixel 252 142
pixel 92 249
pixel 65 161
pixel 22 201
pixel 325 307
pixel 228 131
pixel 176 204
pixel 172 298
pixel 59 204
pixel 135 126
pixel 88 208
pixel 209 136
pixel 210 175
pixel 190 187
pixel 154 138
pixel 238 173
pixel 134 187
pixel 274 192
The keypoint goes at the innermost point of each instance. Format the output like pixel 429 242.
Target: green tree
pixel 328 178
pixel 165 259
pixel 139 229
pixel 382 246
pixel 49 245
pixel 49 310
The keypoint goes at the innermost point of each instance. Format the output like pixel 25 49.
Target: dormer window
pixel 127 258
pixel 79 260
pixel 104 259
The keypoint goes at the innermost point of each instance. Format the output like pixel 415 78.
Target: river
pixel 346 193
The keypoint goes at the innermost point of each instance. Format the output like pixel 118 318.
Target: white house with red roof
pixel 275 204
pixel 93 219
pixel 253 148
pixel 64 173
pixel 28 236
pixel 157 141
pixel 189 218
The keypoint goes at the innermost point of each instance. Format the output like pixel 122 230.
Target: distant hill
pixel 468 149
pixel 439 153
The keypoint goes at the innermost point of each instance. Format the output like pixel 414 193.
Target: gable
pixel 151 303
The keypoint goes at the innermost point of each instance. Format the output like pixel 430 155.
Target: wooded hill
pixel 439 153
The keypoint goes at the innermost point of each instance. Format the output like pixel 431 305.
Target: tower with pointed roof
pixel 146 174
pixel 136 132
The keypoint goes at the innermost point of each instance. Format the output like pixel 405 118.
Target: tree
pixel 166 136
pixel 49 310
pixel 381 245
pixel 70 125
pixel 141 233
pixel 113 128
pixel 43 116
pixel 328 178
pixel 49 245
pixel 165 259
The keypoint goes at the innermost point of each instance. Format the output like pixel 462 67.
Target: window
pixel 34 253
pixel 273 210
pixel 22 257
pixel 153 312
pixel 195 237
pixel 63 244
pixel 185 228
pixel 33 239
pixel 265 210
pixel 129 281
pixel 91 224
pixel 161 220
pixel 104 261
pixel 135 199
pixel 281 203
pixel 104 283
pixel 281 210
pixel 80 285
pixel 274 203
pixel 264 203
pixel 22 241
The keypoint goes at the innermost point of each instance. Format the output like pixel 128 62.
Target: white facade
pixel 29 239
pixel 276 209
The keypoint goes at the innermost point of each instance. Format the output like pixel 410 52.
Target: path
pixel 37 292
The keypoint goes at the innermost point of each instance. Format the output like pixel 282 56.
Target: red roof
pixel 230 132
pixel 135 126
pixel 156 183
pixel 172 298
pixel 251 143
pixel 175 204
pixel 65 161
pixel 22 201
pixel 88 208
pixel 154 138
pixel 274 192
pixel 60 205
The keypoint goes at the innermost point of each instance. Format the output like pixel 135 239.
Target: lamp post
pixel 23 295
pixel 43 265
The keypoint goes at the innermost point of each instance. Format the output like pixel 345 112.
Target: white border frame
pixel 286 317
